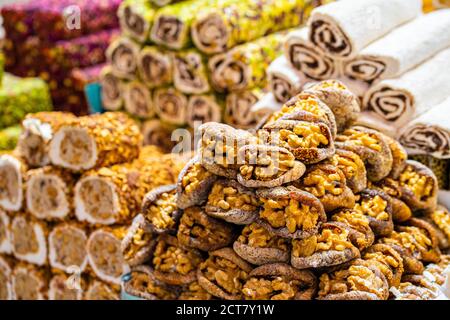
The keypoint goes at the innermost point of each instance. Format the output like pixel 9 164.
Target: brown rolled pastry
pixel 159 207
pixel 219 148
pixel 361 235
pixel 268 166
pixel 138 100
pixel 223 274
pixel 330 247
pixel 309 141
pixel 190 74
pixel 159 134
pixel 306 107
pixel 399 157
pixel 440 220
pixel 377 206
pixel 279 281
pixel 358 281
pixel 232 202
pixel 122 56
pixel 419 186
pixel 170 105
pixel 139 241
pixel 174 264
pixel 155 66
pixel 194 291
pixel 338 97
pixel 203 108
pixel 353 168
pixel 328 184
pixel 198 230
pixel 371 146
pixel 258 246
pixel 388 261
pixel 144 284
pixel 290 212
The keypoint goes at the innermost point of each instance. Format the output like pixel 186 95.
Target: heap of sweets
pixel 57 238
pixel 301 208
pixel 179 63
pixel 47 39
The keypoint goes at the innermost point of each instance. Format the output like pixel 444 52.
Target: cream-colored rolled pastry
pixel 61 287
pixel 402 49
pixel 5 233
pixel 67 247
pixel 204 108
pixel 136 19
pixel 429 133
pixel 49 193
pixel 170 105
pixel 138 100
pixel 155 66
pixel 305 57
pixel 99 290
pixel 237 108
pixel 159 134
pixel 341 29
pixel 29 239
pixel 12 175
pixel 122 55
pixel 284 82
pixel 29 282
pixel 6 267
pixel 400 100
pixel 93 141
pixel 190 74
pixel 38 130
pixel 112 89
pixel 105 253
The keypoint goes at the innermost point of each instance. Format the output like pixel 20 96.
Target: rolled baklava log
pixel 138 100
pixel 122 55
pixel 49 193
pixel 224 274
pixel 105 253
pixel 155 66
pixel 342 29
pixel 112 89
pixel 67 247
pixel 139 242
pixel 99 290
pixel 29 282
pixel 358 281
pixel 244 67
pixel 308 59
pixel 12 174
pixel 65 287
pixel 204 108
pixel 170 105
pixel 190 74
pixel 238 108
pixel 143 284
pixel 136 19
pixel 158 133
pixel 284 82
pixel 258 246
pixel 29 239
pixel 290 213
pixel 279 281
pixel 96 141
pixel 38 130
pixel 6 269
pixel 5 233
pixel 174 264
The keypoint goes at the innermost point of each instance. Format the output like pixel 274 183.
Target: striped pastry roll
pixel 306 58
pixel 29 239
pixel 99 290
pixel 29 282
pixel 204 108
pixel 93 141
pixel 49 192
pixel 136 19
pixel 5 233
pixel 138 99
pixel 61 287
pixel 67 247
pixel 112 90
pixel 6 269
pixel 155 66
pixel 238 108
pixel 342 29
pixel 190 72
pixel 12 175
pixel 284 82
pixel 159 134
pixel 170 105
pixel 38 130
pixel 122 55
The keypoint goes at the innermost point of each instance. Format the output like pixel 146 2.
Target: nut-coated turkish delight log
pixel 136 19
pixel 155 66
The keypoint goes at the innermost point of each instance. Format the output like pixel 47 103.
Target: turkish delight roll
pixel 5 233
pixel 157 133
pixel 284 82
pixel 204 108
pixel 170 105
pixel 122 55
pixel 237 108
pixel 155 66
pixel 112 89
pixel 65 287
pixel 6 268
pixel 29 282
pixel 12 175
pixel 190 72
pixel 136 19
pixel 99 290
pixel 138 99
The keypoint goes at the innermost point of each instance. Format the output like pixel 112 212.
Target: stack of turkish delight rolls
pixel 195 61
pixel 68 193
pixel 307 206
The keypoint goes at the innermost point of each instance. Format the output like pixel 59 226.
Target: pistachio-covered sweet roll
pixel 122 55
pixel 155 66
